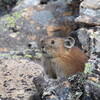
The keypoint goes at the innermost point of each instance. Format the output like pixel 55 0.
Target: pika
pixel 60 58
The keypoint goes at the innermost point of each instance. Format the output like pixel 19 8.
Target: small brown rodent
pixel 61 58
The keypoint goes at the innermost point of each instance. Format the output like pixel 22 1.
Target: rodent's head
pixel 51 46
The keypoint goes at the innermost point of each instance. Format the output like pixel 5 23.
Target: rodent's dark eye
pixel 52 42
pixel 42 41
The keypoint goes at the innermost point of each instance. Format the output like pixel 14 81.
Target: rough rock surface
pixel 6 6
pixel 32 23
pixel 16 77
pixel 26 3
pixel 89 12
pixel 90 39
pixel 53 89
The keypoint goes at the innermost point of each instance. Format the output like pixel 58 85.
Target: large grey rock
pixel 31 23
pixel 89 12
pixel 83 38
pixel 90 39
pixel 26 3
pixel 59 89
pixel 92 90
pixel 16 77
pixel 94 4
pixel 21 4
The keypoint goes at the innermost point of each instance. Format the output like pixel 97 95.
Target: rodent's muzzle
pixel 43 46
pixel 43 50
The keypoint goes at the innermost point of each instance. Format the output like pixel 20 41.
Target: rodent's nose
pixel 42 41
pixel 42 47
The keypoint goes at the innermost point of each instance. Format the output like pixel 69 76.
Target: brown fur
pixel 60 61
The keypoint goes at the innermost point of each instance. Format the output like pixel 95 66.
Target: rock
pixel 16 78
pixel 91 89
pixel 25 3
pixel 90 39
pixel 33 45
pixel 32 23
pixel 53 89
pixel 83 38
pixel 73 4
pixel 7 98
pixel 89 12
pixel 92 68
pixel 6 6
pixel 91 4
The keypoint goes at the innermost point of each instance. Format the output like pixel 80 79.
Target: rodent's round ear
pixel 69 42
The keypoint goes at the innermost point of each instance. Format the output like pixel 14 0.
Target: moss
pixel 16 56
pixel 10 20
pixel 24 54
pixel 94 35
pixel 88 68
pixel 29 56
pixel 4 29
pixel 38 55
pixel 17 32
pixel 4 55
